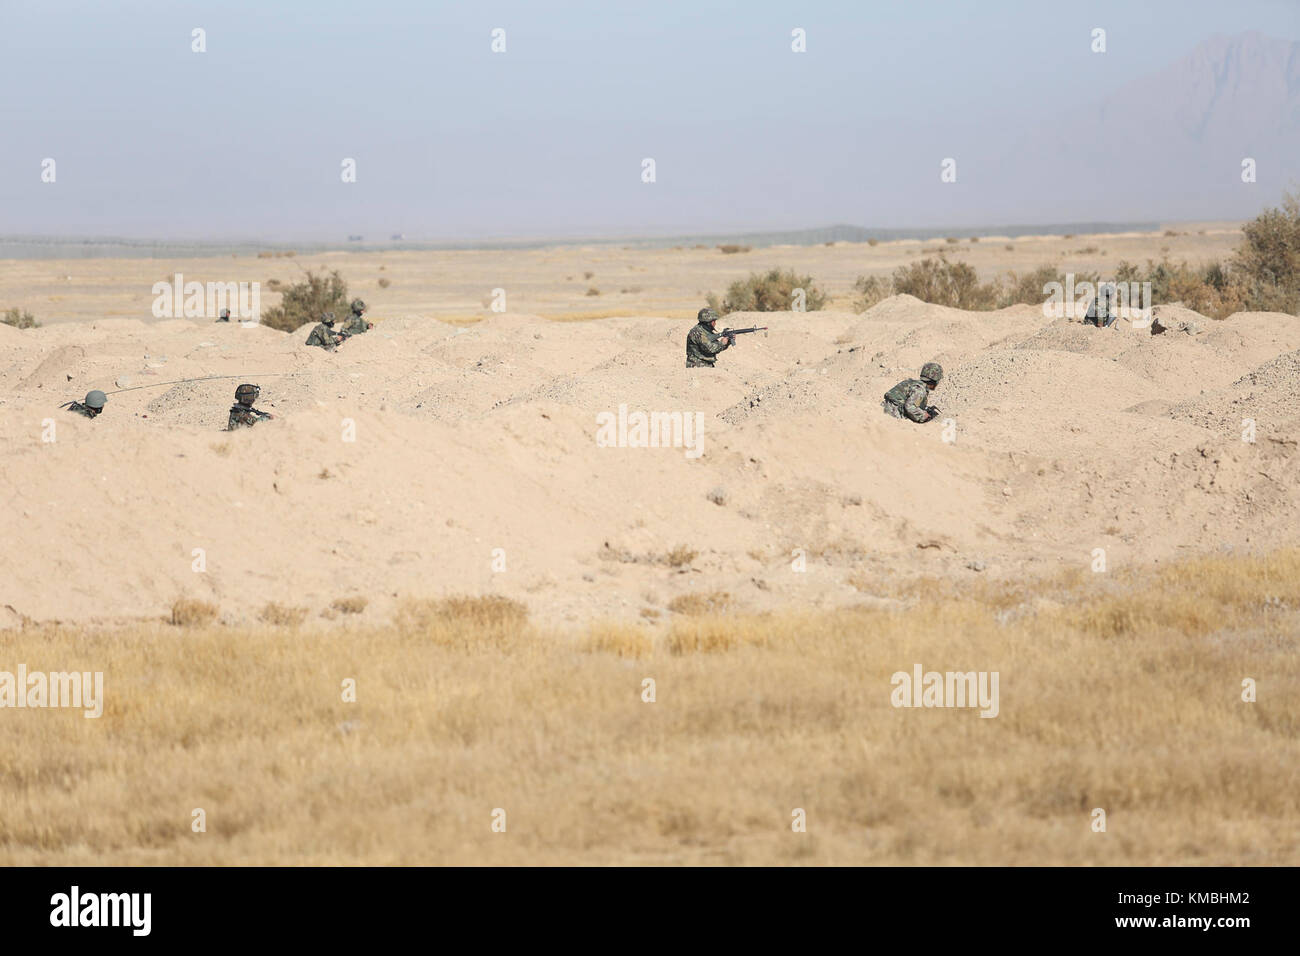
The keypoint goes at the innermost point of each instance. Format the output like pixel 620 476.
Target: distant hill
pixel 1173 140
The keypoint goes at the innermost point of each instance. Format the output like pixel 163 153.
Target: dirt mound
pixel 400 463
pixel 1269 396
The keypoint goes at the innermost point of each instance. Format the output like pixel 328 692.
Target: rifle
pixel 757 328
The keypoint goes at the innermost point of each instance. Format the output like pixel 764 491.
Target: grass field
pixel 1119 693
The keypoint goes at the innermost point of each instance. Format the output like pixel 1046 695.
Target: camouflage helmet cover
pixel 358 306
pixel 327 318
pixel 95 399
pixel 932 372
pixel 247 394
pixel 707 315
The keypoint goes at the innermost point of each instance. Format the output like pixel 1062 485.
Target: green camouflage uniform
pixel 244 416
pixel 1102 311
pixel 85 410
pixel 355 324
pixel 703 346
pixel 323 336
pixel 908 399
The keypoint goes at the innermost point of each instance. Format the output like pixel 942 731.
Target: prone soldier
pixel 910 397
pixel 92 406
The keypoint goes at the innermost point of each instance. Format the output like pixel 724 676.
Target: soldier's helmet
pixel 327 318
pixel 707 315
pixel 247 394
pixel 95 399
pixel 358 306
pixel 932 372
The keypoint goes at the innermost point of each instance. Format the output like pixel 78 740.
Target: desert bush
pixel 191 612
pixel 353 604
pixel 700 602
pixel 873 242
pixel 588 275
pixel 384 283
pixel 593 291
pixel 951 240
pixel 20 319
pixel 730 249
pixel 771 291
pixel 1027 289
pixel 680 557
pixel 281 615
pixel 1268 258
pixel 304 301
pixel 1210 289
pixel 869 290
pixel 942 282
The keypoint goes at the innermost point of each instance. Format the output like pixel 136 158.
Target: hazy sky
pixel 454 141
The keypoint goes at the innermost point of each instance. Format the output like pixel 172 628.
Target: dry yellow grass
pixel 700 602
pixel 191 612
pixel 280 615
pixel 353 604
pixel 1119 693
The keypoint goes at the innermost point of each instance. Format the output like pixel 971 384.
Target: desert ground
pixel 1108 518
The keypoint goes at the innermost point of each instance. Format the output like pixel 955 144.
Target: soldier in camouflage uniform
pixel 703 344
pixel 324 335
pixel 1101 311
pixel 242 413
pixel 909 398
pixel 355 324
pixel 92 406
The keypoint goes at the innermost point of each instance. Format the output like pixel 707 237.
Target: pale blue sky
pixel 452 141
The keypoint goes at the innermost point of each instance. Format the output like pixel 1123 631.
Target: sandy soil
pixel 553 281
pixel 475 437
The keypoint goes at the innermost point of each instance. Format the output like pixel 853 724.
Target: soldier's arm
pixel 713 343
pixel 914 407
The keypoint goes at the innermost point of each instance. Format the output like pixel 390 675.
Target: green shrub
pixel 942 282
pixel 771 291
pixel 20 319
pixel 870 290
pixel 1027 289
pixel 304 301
pixel 1270 252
